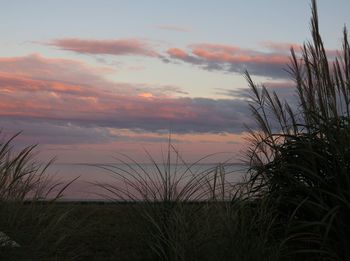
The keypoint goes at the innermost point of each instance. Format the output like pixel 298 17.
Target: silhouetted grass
pixel 23 185
pixel 177 228
pixel 299 157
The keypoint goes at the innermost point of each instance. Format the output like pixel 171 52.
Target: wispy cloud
pixel 271 60
pixel 111 47
pixel 229 58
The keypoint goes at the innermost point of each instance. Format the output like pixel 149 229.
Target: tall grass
pixel 174 199
pixel 300 157
pixel 24 217
pixel 191 212
pixel 20 176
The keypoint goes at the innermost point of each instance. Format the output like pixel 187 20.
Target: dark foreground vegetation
pixel 123 232
pixel 294 205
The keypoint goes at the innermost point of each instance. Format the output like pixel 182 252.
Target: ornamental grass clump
pixel 300 154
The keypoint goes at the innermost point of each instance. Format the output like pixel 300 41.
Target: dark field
pixel 122 231
pixel 91 231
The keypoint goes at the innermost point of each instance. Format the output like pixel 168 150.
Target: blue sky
pixel 240 22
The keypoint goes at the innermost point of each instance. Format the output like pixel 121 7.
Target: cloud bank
pixel 37 89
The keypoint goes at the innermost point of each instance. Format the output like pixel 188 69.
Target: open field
pixel 89 232
pixel 117 231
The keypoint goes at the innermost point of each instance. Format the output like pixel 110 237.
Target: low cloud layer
pixel 72 104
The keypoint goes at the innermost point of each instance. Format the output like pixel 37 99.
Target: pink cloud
pixel 219 48
pixel 11 83
pixel 36 66
pixel 101 103
pixel 233 54
pixel 111 47
pixel 230 58
pixel 177 53
pixel 73 112
pixel 233 59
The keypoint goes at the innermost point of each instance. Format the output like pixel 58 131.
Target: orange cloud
pixel 178 53
pixel 146 95
pixel 15 83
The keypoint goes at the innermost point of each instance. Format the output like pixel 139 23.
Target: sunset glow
pixel 96 79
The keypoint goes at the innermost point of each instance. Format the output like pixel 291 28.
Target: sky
pixel 89 79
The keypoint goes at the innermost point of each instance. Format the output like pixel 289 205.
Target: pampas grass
pixel 301 164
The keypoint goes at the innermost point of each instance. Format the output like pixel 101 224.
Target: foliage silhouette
pixel 300 155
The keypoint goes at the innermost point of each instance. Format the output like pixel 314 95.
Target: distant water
pixel 85 187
